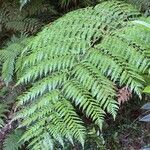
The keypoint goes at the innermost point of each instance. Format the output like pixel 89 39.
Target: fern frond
pixel 79 61
pixel 12 141
pixel 3 110
pixel 15 20
pixel 60 119
pixel 46 84
pixel 82 98
pixel 55 64
pixel 9 54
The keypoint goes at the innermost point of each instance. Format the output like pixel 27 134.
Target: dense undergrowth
pixel 74 80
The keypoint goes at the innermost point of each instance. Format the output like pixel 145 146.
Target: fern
pixel 8 57
pixel 38 7
pixel 77 63
pixel 3 110
pixel 143 5
pixel 26 20
pixel 13 19
pixel 146 25
pixel 12 141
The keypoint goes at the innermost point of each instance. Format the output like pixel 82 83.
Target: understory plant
pixel 73 70
pixel 75 66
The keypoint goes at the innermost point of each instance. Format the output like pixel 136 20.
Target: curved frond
pixel 78 62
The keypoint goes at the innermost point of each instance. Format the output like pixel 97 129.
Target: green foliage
pixel 11 18
pixel 146 25
pixel 3 110
pixel 12 141
pixel 77 63
pixel 3 91
pixel 147 89
pixel 144 5
pixel 25 20
pixel 9 55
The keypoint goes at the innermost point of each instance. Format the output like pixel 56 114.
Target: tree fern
pixel 77 63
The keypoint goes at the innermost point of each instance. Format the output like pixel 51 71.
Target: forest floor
pixel 127 132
